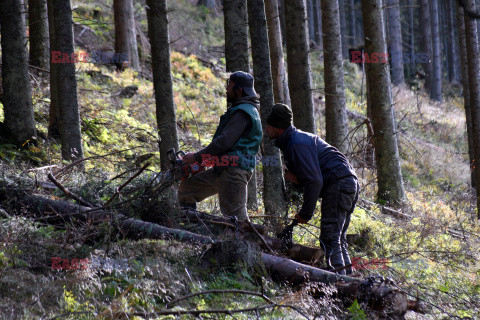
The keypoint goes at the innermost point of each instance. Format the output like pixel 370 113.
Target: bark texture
pixel 38 30
pixel 473 56
pixel 273 195
pixel 17 93
pixel 466 91
pixel 277 62
pixel 343 27
pixel 389 177
pixel 125 31
pixel 64 81
pixel 162 78
pixel 352 31
pixel 335 110
pixel 317 24
pixel 436 79
pixel 426 40
pixel 451 48
pixel 311 31
pixel 236 59
pixel 298 60
pixel 395 42
pixel 53 122
pixel 236 35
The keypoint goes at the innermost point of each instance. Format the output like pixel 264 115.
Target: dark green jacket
pixel 248 144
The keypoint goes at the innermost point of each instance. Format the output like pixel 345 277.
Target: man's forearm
pixel 311 192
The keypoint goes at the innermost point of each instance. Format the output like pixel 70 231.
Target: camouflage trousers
pixel 230 183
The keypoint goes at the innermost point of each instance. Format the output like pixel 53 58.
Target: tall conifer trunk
pixel 162 78
pixel 298 61
pixel 335 110
pixel 273 196
pixel 389 177
pixel 17 93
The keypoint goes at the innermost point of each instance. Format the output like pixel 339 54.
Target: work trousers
pixel 338 202
pixel 230 183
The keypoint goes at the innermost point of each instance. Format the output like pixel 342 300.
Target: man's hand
pixel 300 219
pixel 189 158
pixel 291 177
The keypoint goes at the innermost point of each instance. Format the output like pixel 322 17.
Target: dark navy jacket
pixel 315 163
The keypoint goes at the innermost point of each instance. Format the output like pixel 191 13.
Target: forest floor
pixel 433 255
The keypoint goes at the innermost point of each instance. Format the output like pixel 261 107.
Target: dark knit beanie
pixel 280 117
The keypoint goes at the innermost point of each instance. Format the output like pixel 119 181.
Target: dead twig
pixel 119 189
pixel 260 236
pixel 67 192
pixel 261 295
pixel 60 171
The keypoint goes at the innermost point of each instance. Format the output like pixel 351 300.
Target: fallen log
pixel 283 269
pixel 48 210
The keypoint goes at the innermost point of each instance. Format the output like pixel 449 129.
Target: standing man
pixel 232 152
pixel 323 172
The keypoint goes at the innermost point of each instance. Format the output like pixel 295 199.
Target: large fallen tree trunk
pixel 59 212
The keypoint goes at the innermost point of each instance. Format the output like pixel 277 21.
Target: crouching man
pixel 323 172
pixel 232 152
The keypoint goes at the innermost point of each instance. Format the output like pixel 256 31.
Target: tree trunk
pixel 317 24
pixel 162 78
pixel 456 50
pixel 53 121
pixel 343 28
pixel 352 24
pixel 273 195
pixel 425 26
pixel 125 32
pixel 359 22
pixel 311 29
pixel 298 61
pixel 395 42
pixel 335 109
pixel 38 30
pixel 466 91
pixel 236 35
pixel 17 93
pixel 436 79
pixel 451 42
pixel 473 56
pixel 236 59
pixel 390 185
pixel 279 74
pixel 410 35
pixel 283 23
pixel 64 80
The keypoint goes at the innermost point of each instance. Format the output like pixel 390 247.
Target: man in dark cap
pixel 231 152
pixel 322 171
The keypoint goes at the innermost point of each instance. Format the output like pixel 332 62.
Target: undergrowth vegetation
pixel 432 252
